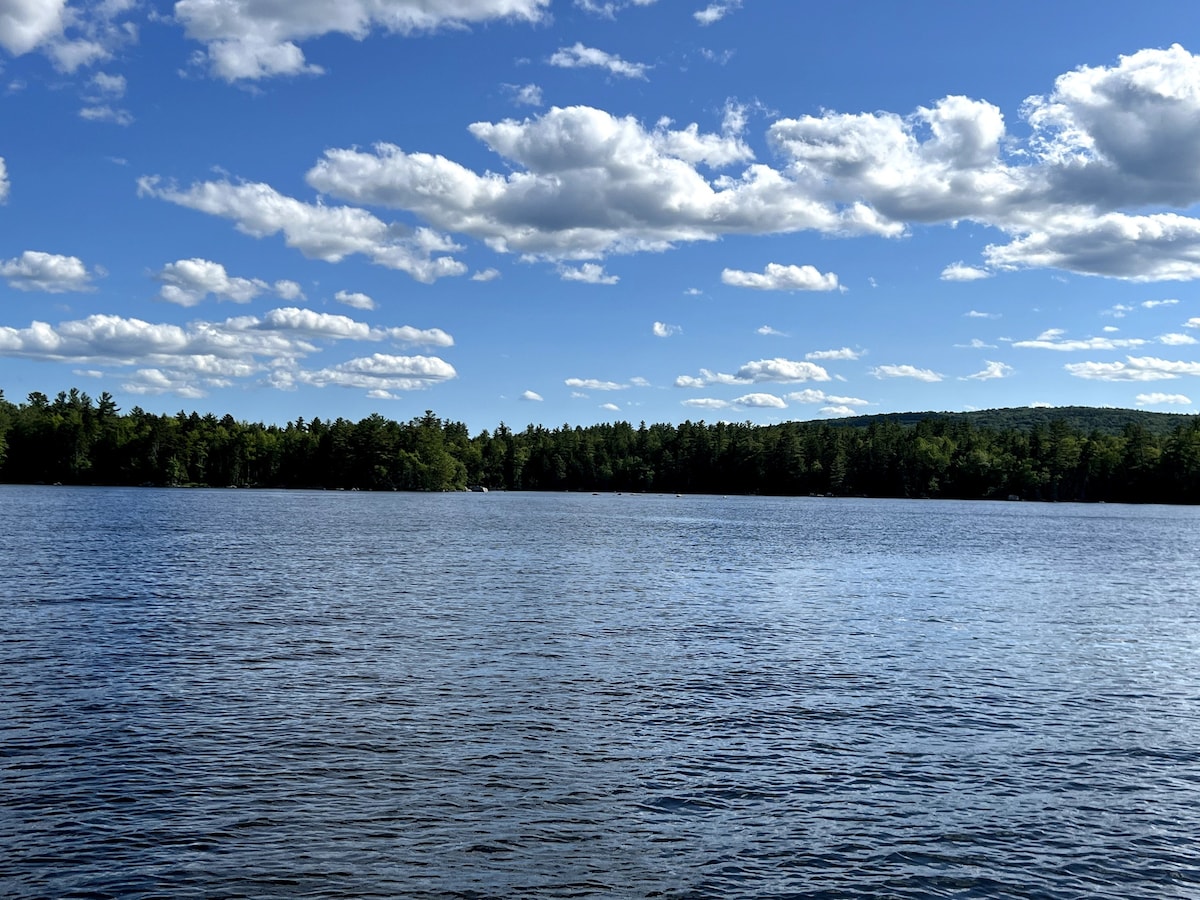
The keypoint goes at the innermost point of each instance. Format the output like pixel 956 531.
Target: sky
pixel 581 211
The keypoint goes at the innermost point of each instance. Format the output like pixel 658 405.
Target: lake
pixel 346 695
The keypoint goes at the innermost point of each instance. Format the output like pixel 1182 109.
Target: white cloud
pixel 187 282
pixel 714 12
pixel 777 277
pixel 609 8
pixel 992 370
pixel 1176 340
pixel 811 395
pixel 486 275
pixel 109 85
pixel 1051 340
pixel 579 56
pixel 53 273
pixel 746 401
pixel 288 290
pixel 525 94
pixel 839 411
pixel 4 182
pixel 593 384
pixel 960 271
pixel 106 113
pixel 977 344
pixel 767 330
pixel 330 233
pixel 1135 368
pixel 611 407
pixel 1156 399
pixel 354 299
pixel 707 403
pixel 843 353
pixel 906 371
pixel 24 24
pixel 532 396
pixel 761 401
pixel 662 329
pixel 253 39
pixel 190 360
pixel 1193 322
pixel 382 372
pixel 778 370
pixel 1153 304
pixel 1098 180
pixel 588 273
pixel 588 183
pixel 1110 329
pixel 976 314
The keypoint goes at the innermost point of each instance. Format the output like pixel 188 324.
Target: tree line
pixel 74 439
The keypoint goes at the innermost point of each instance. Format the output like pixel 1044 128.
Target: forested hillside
pixel 74 439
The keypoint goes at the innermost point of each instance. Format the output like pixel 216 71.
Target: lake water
pixel 340 695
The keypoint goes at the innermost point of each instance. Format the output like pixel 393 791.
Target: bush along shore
pixel 1077 454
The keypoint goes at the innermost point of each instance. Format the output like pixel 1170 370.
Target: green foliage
pixel 1089 455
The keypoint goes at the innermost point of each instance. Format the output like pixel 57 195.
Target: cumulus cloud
pixel 588 273
pixel 588 183
pixel 812 395
pixel 610 407
pixel 330 233
pixel 382 372
pixel 906 371
pixel 1154 304
pixel 779 370
pixel 24 24
pixel 1135 368
pixel 1099 180
pixel 486 275
pixel 747 401
pixel 187 282
pixel 354 299
pixel 4 183
pixel 532 396
pixel 1157 399
pixel 71 36
pixel 579 56
pixel 768 331
pixel 189 360
pixel 991 371
pixel 662 329
pixel 960 271
pixel 777 277
pixel 254 39
pixel 53 273
pixel 761 401
pixel 1176 340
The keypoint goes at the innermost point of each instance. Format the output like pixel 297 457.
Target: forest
pixel 1097 455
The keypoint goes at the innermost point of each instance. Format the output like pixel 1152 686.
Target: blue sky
pixel 570 212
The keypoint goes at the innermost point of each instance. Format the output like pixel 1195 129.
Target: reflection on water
pixel 220 694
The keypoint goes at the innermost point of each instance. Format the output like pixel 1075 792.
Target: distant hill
pixel 1025 418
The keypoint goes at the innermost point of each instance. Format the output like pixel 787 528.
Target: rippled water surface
pixel 267 694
